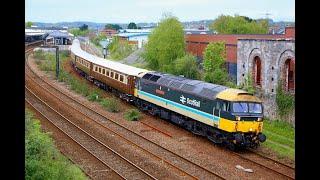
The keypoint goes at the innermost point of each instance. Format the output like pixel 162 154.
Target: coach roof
pixel 123 68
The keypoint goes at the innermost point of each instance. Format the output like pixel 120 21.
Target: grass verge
pixel 42 159
pixel 280 138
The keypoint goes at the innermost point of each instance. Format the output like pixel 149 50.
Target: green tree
pixel 78 32
pixel 84 27
pixel 132 25
pixel 186 66
pixel 165 44
pixel 119 49
pixel 96 40
pixel 214 63
pixel 239 25
pixel 113 26
pixel 29 24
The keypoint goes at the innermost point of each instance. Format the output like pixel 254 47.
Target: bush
pixel 39 54
pixel 46 61
pixel 94 96
pixel 132 115
pixel 284 100
pixel 186 66
pixel 42 159
pixel 247 84
pixel 119 49
pixel 111 104
pixel 63 76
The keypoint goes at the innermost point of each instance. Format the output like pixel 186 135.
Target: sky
pixel 125 11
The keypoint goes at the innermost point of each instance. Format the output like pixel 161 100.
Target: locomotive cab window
pixel 247 107
pixel 223 105
pixel 240 107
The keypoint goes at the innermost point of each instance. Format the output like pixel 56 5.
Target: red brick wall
pixel 290 32
pixel 196 43
pixel 231 51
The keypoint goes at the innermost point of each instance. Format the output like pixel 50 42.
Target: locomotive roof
pixel 203 89
pixel 123 68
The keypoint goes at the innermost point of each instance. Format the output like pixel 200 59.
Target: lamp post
pixel 105 44
pixel 104 52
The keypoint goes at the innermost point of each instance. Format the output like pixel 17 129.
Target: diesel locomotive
pixel 224 115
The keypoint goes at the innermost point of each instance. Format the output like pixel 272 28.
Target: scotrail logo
pixel 192 102
pixel 183 99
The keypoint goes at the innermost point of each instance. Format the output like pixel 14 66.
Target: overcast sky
pixel 125 11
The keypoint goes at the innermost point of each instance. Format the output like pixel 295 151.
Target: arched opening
pixel 289 73
pixel 257 71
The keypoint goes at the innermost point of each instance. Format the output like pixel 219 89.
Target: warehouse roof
pixel 59 34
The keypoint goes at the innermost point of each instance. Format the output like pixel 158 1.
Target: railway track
pixel 198 171
pixel 91 111
pixel 132 170
pixel 283 167
pixel 252 156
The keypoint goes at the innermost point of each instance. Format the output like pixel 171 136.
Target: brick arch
pixel 251 65
pixel 282 64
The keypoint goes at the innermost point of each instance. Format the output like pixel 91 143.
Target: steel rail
pixel 118 124
pixel 95 139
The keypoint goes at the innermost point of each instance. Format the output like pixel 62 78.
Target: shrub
pixel 119 49
pixel 247 84
pixel 39 54
pixel 132 115
pixel 94 96
pixel 42 159
pixel 111 104
pixel 186 66
pixel 284 100
pixel 63 76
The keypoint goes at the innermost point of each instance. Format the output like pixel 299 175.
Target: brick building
pixel 268 61
pixel 196 44
pixel 109 32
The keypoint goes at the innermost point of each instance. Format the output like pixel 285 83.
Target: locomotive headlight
pixel 250 129
pixel 238 118
pixel 259 119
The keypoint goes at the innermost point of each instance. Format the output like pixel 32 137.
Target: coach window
pixel 121 78
pixel 96 69
pixel 116 76
pixel 103 71
pixel 107 73
pixel 111 75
